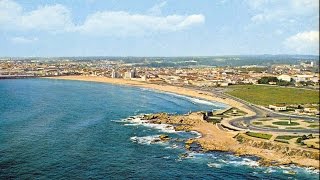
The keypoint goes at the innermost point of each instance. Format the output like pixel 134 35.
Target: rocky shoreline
pixel 216 139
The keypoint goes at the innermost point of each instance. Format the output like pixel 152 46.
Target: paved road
pixel 261 112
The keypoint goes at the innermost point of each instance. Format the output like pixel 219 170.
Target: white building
pixel 114 74
pixel 310 110
pixel 284 77
pixel 133 73
pixel 307 64
pixel 144 78
pixel 224 84
pixel 130 74
pixel 278 107
pixel 127 75
pixel 300 78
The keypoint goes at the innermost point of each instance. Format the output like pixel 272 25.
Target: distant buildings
pixel 177 76
pixel 130 74
pixel 304 78
pixel 115 74
pixel 284 77
pixel 307 64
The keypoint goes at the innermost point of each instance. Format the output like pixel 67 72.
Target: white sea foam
pixel 245 162
pixel 192 99
pixel 214 165
pixel 269 170
pixel 137 120
pixel 289 172
pixel 284 167
pixel 146 139
pixel 198 135
pixel 200 101
pixel 174 146
pixel 162 127
pixel 312 170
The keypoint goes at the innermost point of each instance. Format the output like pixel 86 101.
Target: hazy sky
pixel 158 28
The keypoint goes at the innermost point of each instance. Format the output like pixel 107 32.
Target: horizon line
pixel 226 55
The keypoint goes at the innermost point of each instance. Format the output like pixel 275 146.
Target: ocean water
pixel 54 129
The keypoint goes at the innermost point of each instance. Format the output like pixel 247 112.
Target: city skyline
pixel 158 28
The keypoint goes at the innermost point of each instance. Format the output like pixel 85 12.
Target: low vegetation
pixel 286 137
pixel 285 123
pixel 295 128
pixel 264 120
pixel 270 126
pixel 267 80
pixel 314 126
pixel 301 139
pixel 266 95
pixel 259 135
pixel 257 123
pixel 281 140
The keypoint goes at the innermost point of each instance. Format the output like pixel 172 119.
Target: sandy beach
pixel 164 88
pixel 214 138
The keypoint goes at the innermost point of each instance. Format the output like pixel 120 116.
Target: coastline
pixel 213 138
pixel 164 88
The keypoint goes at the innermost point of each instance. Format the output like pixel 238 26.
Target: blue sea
pixel 55 129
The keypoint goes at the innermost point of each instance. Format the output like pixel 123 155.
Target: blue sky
pixel 158 28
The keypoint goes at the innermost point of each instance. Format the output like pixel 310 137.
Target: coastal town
pixel 304 74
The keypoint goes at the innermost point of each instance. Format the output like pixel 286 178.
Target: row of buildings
pixel 179 76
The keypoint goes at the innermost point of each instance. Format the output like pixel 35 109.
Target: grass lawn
pixel 265 95
pixel 285 123
pixel 311 122
pixel 270 126
pixel 259 135
pixel 294 128
pixel 314 126
pixel 286 137
pixel 281 140
pixel 257 123
pixel 264 120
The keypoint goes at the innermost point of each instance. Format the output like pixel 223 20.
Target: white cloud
pixel 58 18
pixel 9 12
pixel 305 4
pixel 121 23
pixel 257 4
pixel 304 42
pixel 51 18
pixel 23 40
pixel 275 10
pixel 157 8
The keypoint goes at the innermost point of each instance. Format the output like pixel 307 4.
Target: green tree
pixel 267 79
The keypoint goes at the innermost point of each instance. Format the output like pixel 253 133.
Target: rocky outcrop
pixel 277 147
pixel 164 137
pixel 215 139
